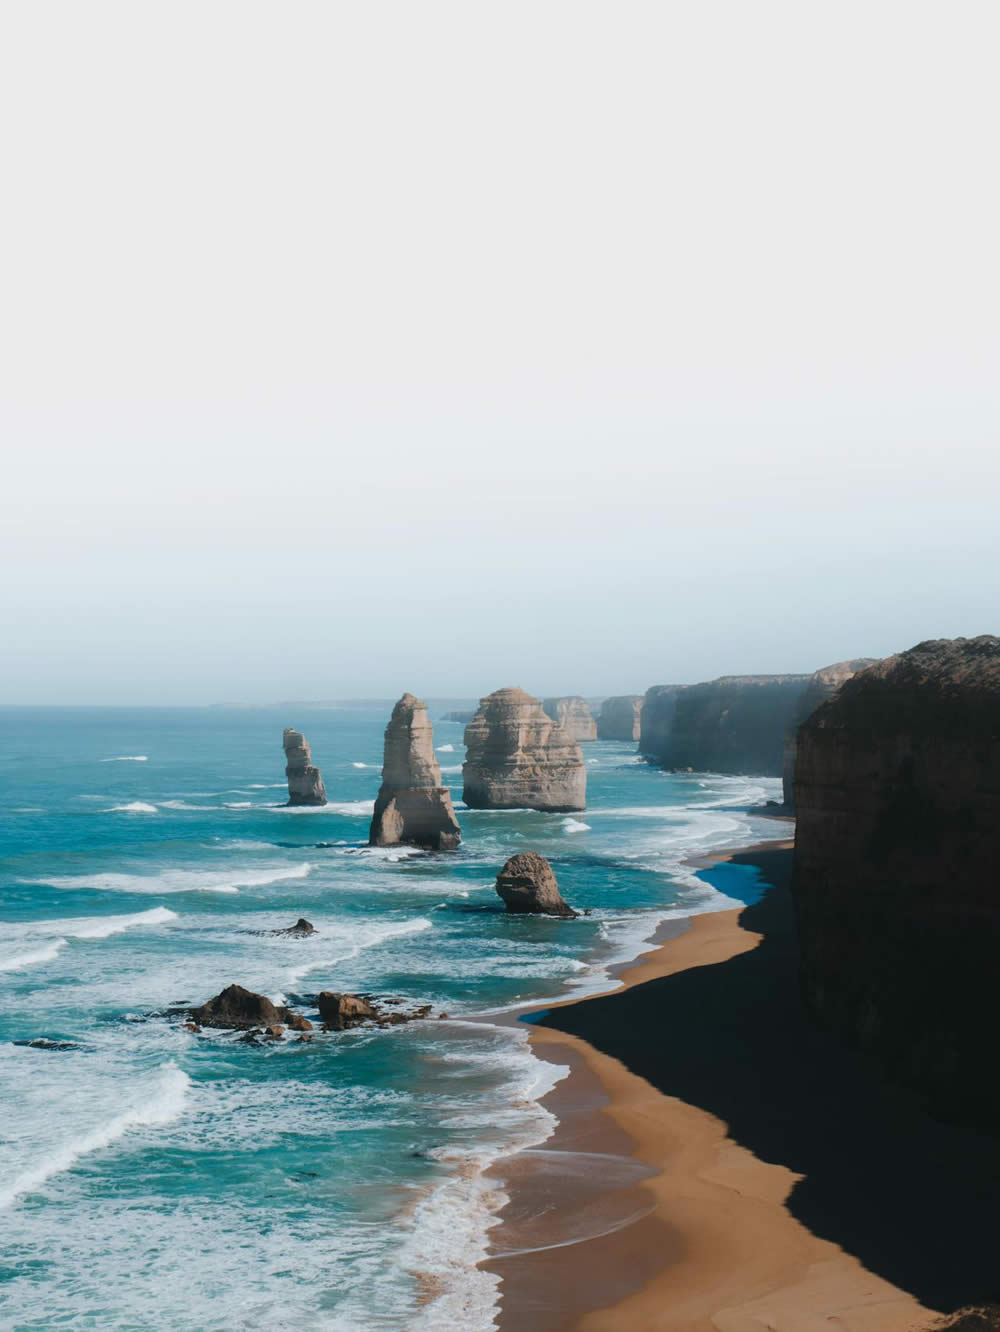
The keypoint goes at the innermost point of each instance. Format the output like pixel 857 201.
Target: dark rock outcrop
pixel 517 757
pixel 619 718
pixel 656 717
pixel 302 929
pixel 238 1009
pixel 341 1011
pixel 413 806
pixel 573 714
pixel 818 688
pixel 528 886
pixel 897 845
pixel 305 782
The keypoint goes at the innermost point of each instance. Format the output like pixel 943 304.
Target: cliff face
pixel 574 716
pixel 619 718
pixel 735 724
pixel 896 881
pixel 819 687
pixel 305 782
pixel 519 758
pixel 656 717
pixel 412 804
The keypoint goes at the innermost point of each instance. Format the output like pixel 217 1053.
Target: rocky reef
pixel 519 758
pixel 573 714
pixel 895 881
pixel 237 1009
pixel 818 688
pixel 412 806
pixel 305 781
pixel 528 886
pixel 656 718
pixel 619 718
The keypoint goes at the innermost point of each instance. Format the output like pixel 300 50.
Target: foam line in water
pixel 133 807
pixel 355 940
pixel 180 881
pixel 127 758
pixel 165 1104
pixel 33 957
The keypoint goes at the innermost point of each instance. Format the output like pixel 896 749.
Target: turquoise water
pixel 154 1178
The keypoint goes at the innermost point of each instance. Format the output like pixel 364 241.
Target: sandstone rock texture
pixel 896 882
pixel 818 688
pixel 574 716
pixel 527 885
pixel 656 718
pixel 341 1011
pixel 238 1009
pixel 413 806
pixel 619 718
pixel 305 782
pixel 518 758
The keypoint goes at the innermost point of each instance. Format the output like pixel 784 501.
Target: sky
pixel 354 348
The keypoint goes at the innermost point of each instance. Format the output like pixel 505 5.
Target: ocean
pixel 151 1177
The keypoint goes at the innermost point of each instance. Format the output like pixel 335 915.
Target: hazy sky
pixel 348 348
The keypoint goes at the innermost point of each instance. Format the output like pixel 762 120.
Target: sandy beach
pixel 720 1166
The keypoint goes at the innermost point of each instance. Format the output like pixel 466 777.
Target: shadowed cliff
pixel 913 1199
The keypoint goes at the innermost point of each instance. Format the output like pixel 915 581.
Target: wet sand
pixel 721 1166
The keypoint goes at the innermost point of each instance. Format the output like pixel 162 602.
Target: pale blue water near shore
pixel 153 1178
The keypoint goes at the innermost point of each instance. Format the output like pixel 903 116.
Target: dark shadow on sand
pixel 915 1200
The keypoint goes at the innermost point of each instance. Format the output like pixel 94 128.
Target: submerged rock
pixel 413 806
pixel 238 1009
pixel 897 785
pixel 305 781
pixel 619 718
pixel 573 714
pixel 527 884
pixel 340 1011
pixel 519 758
pixel 300 930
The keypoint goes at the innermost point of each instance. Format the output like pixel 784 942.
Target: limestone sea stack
pixel 619 718
pixel 517 757
pixel 413 806
pixel 818 688
pixel 305 782
pixel 528 886
pixel 573 714
pixel 897 786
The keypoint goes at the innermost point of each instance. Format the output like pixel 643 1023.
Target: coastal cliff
pixel 819 687
pixel 517 757
pixel 305 781
pixel 898 794
pixel 574 716
pixel 619 718
pixel 656 717
pixel 412 805
pixel 735 724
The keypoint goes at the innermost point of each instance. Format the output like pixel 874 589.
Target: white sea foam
pixel 575 826
pixel 180 880
pixel 348 941
pixel 165 1103
pixel 238 804
pixel 133 807
pixel 33 957
pixel 359 765
pixel 446 749
pixel 127 758
pixel 351 808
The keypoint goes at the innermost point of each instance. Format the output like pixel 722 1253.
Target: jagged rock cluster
pixel 517 757
pixel 305 781
pixel 619 718
pixel 574 716
pixel 819 687
pixel 237 1009
pixel 413 806
pixel 528 885
pixel 895 882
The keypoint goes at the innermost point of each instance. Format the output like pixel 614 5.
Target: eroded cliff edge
pixel 573 714
pixel 896 881
pixel 619 718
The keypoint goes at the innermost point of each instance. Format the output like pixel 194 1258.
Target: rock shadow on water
pixel 914 1199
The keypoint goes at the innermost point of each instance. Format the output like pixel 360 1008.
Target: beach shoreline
pixel 642 1212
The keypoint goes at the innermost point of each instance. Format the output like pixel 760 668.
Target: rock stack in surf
pixel 413 806
pixel 528 887
pixel 619 718
pixel 573 714
pixel 305 781
pixel 519 758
